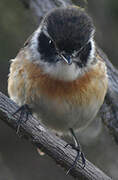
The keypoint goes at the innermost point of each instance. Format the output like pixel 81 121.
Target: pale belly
pixel 62 116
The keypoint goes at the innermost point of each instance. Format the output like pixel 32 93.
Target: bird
pixel 58 73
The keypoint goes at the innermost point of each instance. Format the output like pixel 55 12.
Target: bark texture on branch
pixel 37 134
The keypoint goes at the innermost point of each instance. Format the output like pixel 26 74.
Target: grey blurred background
pixel 19 160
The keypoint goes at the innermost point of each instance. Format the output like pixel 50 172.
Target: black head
pixel 65 31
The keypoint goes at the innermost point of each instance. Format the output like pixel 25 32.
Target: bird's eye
pixel 50 41
pixel 45 45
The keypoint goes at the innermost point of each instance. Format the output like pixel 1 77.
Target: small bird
pixel 58 73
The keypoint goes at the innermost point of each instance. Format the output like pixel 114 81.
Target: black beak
pixel 67 59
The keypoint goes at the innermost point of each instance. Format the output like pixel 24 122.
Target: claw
pixel 77 147
pixel 24 111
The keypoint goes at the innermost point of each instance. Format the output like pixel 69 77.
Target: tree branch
pixel 40 136
pixel 109 110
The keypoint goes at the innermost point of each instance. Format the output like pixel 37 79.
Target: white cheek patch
pixel 32 53
pixel 92 52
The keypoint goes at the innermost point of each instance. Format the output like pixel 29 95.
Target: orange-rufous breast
pixel 28 84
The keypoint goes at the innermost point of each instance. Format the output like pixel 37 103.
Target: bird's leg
pixel 25 111
pixel 77 147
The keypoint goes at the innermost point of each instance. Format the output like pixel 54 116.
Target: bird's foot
pixel 79 155
pixel 25 111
